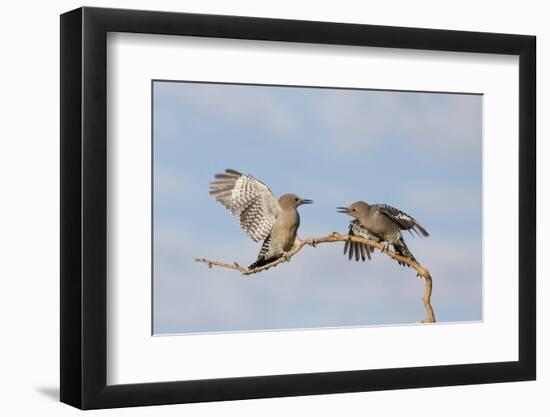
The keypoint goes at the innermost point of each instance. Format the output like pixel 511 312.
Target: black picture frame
pixel 84 207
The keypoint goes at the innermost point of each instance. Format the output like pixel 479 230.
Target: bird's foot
pixel 286 257
pixel 314 242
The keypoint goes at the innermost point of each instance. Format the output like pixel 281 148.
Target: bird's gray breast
pixel 286 226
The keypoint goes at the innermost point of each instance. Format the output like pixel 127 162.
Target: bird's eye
pixel 352 209
pixel 296 199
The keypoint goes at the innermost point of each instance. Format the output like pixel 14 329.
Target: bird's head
pixel 355 210
pixel 292 201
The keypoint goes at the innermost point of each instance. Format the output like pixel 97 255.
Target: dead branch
pixel 337 237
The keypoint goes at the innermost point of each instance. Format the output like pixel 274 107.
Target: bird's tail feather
pixel 263 257
pixel 261 262
pixel 402 249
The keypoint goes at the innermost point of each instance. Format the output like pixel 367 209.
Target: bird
pixel 381 223
pixel 261 215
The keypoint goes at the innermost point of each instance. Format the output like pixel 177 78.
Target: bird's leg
pixel 286 256
pixel 314 242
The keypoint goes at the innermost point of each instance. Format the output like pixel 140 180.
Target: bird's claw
pixel 286 257
pixel 314 242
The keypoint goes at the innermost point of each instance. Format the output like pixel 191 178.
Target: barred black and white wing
pixel 248 198
pixel 402 219
pixel 359 250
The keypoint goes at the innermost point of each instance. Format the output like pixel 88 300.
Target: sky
pixel 419 152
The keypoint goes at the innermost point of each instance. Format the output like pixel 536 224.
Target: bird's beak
pixel 306 201
pixel 344 210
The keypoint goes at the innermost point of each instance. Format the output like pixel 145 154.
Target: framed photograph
pixel 257 208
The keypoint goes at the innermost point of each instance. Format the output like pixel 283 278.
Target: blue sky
pixel 420 152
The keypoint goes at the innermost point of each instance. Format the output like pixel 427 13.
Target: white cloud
pixel 447 126
pixel 234 103
pixel 446 200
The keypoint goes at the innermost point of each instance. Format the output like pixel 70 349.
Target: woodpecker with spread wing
pixel 262 216
pixel 381 223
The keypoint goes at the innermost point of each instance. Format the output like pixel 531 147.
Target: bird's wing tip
pixel 233 171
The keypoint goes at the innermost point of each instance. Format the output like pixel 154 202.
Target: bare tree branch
pixel 337 237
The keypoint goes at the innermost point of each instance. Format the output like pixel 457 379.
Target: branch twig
pixel 337 237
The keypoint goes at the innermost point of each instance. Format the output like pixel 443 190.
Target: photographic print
pixel 296 207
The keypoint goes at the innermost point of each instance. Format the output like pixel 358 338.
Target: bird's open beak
pixel 344 210
pixel 306 201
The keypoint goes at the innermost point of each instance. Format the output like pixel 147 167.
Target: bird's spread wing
pixel 249 199
pixel 402 219
pixel 356 248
